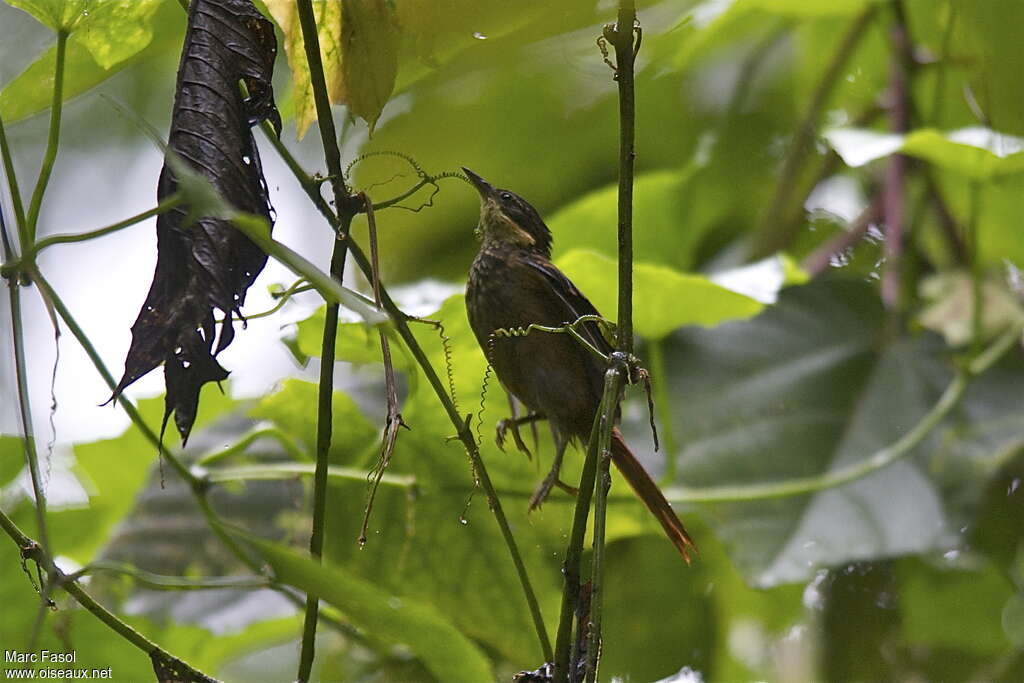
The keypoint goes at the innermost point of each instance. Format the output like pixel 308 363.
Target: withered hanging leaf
pixel 359 46
pixel 203 263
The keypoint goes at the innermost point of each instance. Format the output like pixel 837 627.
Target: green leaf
pixel 661 231
pixel 978 153
pixel 447 653
pixel 328 23
pixel 12 457
pixel 813 382
pixel 988 44
pixel 809 9
pixel 934 598
pixel 354 343
pixel 369 62
pixel 113 36
pixel 663 299
pixel 293 408
pixel 112 30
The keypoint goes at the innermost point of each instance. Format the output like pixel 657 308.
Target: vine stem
pixel 400 320
pixel 52 143
pixel 880 459
pixel 37 553
pixel 346 210
pixel 625 37
pixel 25 410
pixel 172 202
pixel 565 663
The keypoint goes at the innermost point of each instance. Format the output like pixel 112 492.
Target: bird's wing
pixel 572 301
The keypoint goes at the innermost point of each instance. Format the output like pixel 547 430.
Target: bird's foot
pixel 511 425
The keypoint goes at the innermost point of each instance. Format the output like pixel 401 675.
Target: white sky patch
pixel 760 281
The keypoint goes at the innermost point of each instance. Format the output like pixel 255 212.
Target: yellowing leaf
pixel 359 50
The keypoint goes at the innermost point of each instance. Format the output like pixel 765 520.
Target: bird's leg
pixel 539 496
pixel 512 424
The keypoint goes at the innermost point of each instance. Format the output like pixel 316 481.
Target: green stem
pixel 346 210
pixel 881 459
pixel 290 470
pixel 35 552
pixel 613 385
pixel 574 550
pixel 53 142
pixel 166 205
pixel 329 288
pixel 399 319
pixel 623 42
pixel 659 382
pixel 12 180
pixel 25 410
pixel 174 583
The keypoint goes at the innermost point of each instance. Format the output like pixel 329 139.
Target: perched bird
pixel 512 284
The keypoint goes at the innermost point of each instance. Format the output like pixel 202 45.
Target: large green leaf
pixel 117 34
pixel 447 653
pixel 293 408
pixel 812 385
pixel 663 299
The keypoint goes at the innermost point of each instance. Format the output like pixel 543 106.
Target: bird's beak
pixel 482 186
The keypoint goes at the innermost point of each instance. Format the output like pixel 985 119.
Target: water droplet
pixel 246 159
pixel 395 603
pixel 1014 485
pixel 951 555
pixel 463 521
pixel 479 36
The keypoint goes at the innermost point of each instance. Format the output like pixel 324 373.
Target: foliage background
pixel 915 571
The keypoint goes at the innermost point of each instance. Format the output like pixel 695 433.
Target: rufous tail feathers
pixel 651 495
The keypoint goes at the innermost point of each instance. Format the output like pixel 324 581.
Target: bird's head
pixel 507 218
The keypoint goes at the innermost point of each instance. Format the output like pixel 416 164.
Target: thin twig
pixel 172 202
pixel 25 413
pixel 614 381
pixel 775 231
pixel 625 37
pixel 393 420
pixel 346 206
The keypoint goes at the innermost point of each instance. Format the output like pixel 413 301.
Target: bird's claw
pixel 511 425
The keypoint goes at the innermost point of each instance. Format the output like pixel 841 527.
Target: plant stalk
pixel 52 143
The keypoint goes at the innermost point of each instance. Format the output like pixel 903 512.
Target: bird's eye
pixel 506 196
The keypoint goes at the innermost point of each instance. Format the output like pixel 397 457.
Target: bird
pixel 513 284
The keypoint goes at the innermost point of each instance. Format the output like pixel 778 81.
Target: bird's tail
pixel 650 494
